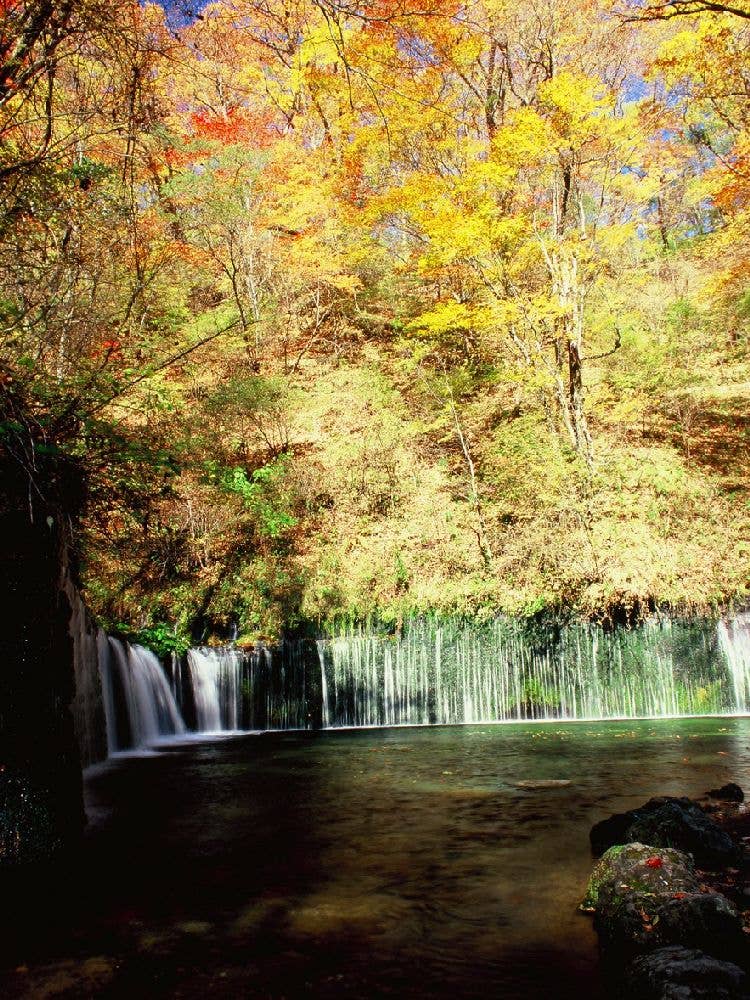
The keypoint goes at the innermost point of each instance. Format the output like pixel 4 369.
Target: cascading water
pixel 139 705
pixel 462 672
pixel 734 637
pixel 443 672
pixel 325 715
pixel 218 689
pixel 276 687
pixel 432 672
pixel 216 679
pixel 104 656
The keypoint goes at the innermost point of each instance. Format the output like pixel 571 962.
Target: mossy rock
pixel 627 889
pixel 634 867
pixel 646 897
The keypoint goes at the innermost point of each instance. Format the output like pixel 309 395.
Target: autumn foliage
pixel 511 235
pixel 235 125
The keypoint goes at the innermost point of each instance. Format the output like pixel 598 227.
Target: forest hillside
pixel 345 309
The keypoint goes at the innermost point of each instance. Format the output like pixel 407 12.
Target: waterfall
pixel 463 672
pixel 89 717
pixel 141 703
pixel 216 680
pixel 325 715
pixel 734 637
pixel 217 689
pixel 277 683
pixel 108 689
pixel 138 703
pixel 432 672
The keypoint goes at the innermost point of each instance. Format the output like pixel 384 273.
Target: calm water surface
pixel 401 862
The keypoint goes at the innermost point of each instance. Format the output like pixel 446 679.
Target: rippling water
pixel 394 862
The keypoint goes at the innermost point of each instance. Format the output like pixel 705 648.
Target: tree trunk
pixel 568 348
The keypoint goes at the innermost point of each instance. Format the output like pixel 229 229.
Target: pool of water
pixel 359 863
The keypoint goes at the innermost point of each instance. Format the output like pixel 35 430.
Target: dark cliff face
pixel 41 810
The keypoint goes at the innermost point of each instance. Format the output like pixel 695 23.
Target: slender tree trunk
pixel 476 504
pixel 568 345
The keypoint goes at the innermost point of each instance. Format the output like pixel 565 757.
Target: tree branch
pixel 147 373
pixel 606 354
pixel 682 8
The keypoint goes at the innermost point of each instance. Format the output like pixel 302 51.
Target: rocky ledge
pixel 669 897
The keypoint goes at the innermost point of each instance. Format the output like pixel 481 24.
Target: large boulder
pixel 647 897
pixel 669 822
pixel 678 973
pixel 628 887
pixel 642 868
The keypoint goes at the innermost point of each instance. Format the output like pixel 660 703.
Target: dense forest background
pixel 341 308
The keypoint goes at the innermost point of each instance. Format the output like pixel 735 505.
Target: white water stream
pixel 431 673
pixel 216 678
pixel 734 638
pixel 139 706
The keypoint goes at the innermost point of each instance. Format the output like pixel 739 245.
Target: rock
pixel 669 822
pixel 647 897
pixel 681 824
pixel 678 973
pixel 640 866
pixel 531 785
pixel 728 793
pixel 609 832
pixel 627 888
pixel 701 920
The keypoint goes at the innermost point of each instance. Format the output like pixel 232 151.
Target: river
pixel 404 862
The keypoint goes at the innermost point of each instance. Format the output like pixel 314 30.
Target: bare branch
pixel 681 8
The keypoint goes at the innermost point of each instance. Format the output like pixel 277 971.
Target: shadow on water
pixel 372 863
